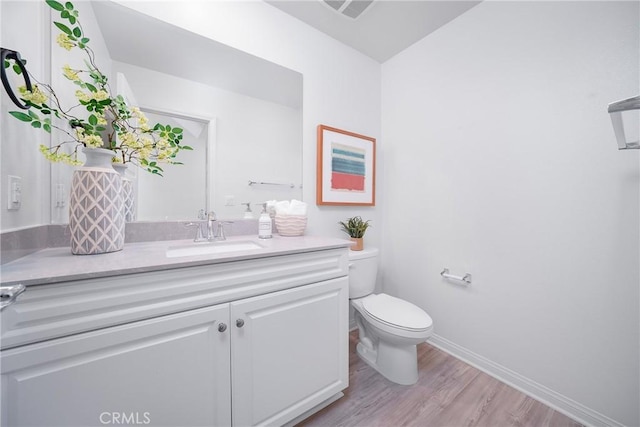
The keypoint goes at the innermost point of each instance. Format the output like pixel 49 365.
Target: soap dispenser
pixel 264 224
pixel 247 213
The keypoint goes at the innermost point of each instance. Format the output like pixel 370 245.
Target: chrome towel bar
pixel 271 183
pixel 466 278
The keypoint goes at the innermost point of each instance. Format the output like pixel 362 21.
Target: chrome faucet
pixel 211 222
pixel 214 229
pixel 216 234
pixel 199 226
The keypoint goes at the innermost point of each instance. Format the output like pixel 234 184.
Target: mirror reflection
pixel 243 116
pixel 183 184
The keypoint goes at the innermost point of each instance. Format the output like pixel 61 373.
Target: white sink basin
pixel 213 248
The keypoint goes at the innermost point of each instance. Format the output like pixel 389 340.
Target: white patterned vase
pixel 127 193
pixel 96 208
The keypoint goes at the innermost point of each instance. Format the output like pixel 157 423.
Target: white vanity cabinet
pixel 256 342
pixel 173 371
pixel 291 353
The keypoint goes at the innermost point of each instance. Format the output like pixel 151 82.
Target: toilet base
pixel 398 364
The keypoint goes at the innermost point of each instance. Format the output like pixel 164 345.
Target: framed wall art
pixel 346 168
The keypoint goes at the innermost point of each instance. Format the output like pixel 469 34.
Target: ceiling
pixel 384 29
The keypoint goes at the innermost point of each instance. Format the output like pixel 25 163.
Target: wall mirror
pixel 249 109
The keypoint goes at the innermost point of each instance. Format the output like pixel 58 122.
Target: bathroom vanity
pixel 245 337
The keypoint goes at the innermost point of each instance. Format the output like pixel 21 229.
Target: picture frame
pixel 346 168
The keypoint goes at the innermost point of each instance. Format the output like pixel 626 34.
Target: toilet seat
pixel 397 313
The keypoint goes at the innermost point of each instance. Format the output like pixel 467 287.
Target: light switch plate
pixel 14 192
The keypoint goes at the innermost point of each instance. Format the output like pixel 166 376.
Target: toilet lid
pixel 397 312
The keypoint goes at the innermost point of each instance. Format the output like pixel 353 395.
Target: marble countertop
pixel 56 265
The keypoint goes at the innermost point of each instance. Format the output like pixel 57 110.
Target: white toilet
pixel 389 327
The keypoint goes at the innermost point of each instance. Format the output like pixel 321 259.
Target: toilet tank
pixel 363 270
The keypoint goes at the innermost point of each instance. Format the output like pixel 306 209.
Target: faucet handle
pixel 199 237
pixel 220 235
pixel 202 214
pixel 211 216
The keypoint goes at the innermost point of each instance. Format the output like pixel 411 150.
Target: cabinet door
pixel 172 370
pixel 290 354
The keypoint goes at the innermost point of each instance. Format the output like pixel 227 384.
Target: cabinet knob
pixel 222 327
pixel 239 323
pixel 8 294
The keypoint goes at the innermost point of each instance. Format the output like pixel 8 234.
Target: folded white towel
pixel 297 207
pixel 282 207
pixel 293 207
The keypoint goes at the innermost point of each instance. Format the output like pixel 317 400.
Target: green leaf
pixel 65 14
pixel 186 147
pixel 55 5
pixel 177 130
pixel 69 5
pixel 72 20
pixel 77 32
pixel 7 64
pixel 63 28
pixel 91 87
pixel 47 127
pixel 16 69
pixel 21 116
pixel 84 40
pixel 36 124
pixel 33 115
pixel 105 102
pixel 93 120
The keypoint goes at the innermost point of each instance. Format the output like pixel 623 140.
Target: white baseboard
pixel 555 400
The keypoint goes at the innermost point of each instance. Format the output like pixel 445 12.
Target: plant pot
pixel 96 209
pixel 127 192
pixel 359 244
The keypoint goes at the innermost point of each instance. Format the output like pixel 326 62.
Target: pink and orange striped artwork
pixel 346 168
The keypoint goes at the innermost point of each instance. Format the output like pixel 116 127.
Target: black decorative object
pixel 15 55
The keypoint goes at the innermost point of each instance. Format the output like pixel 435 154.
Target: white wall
pixel 341 86
pixel 19 148
pixel 19 141
pixel 503 163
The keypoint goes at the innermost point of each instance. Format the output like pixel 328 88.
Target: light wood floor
pixel 448 393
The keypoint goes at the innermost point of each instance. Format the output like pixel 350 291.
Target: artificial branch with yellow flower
pixel 106 120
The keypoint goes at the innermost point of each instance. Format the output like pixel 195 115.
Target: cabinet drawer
pixel 57 310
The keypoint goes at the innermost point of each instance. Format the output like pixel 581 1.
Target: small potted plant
pixel 355 227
